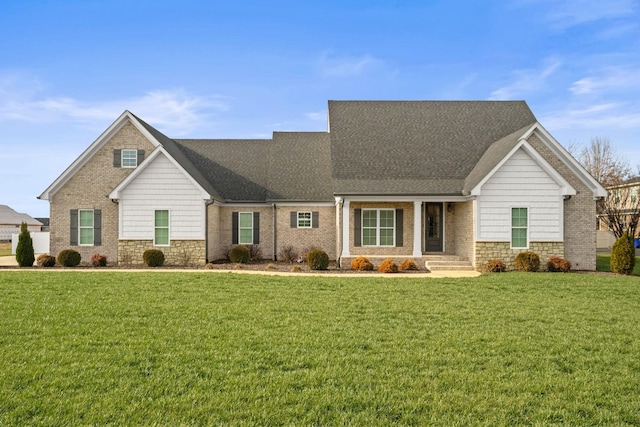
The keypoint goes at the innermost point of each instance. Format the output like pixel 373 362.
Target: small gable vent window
pixel 127 158
pixel 304 219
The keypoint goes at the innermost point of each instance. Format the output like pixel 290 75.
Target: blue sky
pixel 242 69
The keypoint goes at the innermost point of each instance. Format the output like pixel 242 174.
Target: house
pixel 619 212
pixel 10 222
pixel 474 180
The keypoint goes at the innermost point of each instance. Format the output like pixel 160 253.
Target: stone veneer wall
pixel 180 252
pixel 502 251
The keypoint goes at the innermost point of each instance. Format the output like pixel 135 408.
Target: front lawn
pixel 603 262
pixel 147 348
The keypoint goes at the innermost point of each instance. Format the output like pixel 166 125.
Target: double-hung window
pixel 161 228
pixel 245 228
pixel 304 219
pixel 519 227
pixel 129 158
pixel 378 227
pixel 85 226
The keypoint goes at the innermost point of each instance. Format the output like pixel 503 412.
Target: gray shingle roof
pixel 416 147
pixel 10 217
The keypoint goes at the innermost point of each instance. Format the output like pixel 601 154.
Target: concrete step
pixel 447 263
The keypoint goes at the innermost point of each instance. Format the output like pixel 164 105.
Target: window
pixel 304 219
pixel 85 226
pixel 378 227
pixel 634 194
pixel 161 228
pixel 129 158
pixel 245 228
pixel 519 227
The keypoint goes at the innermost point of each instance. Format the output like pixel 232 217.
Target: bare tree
pixel 620 210
pixel 600 159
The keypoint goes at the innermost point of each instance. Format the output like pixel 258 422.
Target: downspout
pixel 339 235
pixel 206 229
pixel 275 233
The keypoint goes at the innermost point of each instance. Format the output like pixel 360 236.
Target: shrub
pixel 255 253
pixel 287 254
pixel 69 258
pixel 361 264
pixel 239 254
pixel 623 255
pixel 296 268
pixel 318 260
pixel 45 260
pixel 153 257
pixel 98 260
pixel 557 264
pixel 527 261
pixel 24 250
pixel 495 266
pixel 408 265
pixel 388 266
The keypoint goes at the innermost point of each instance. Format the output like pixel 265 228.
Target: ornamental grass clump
pixel 318 260
pixel 69 258
pixel 239 254
pixel 153 257
pixel 555 264
pixel 623 255
pixel 527 261
pixel 361 264
pixel 388 266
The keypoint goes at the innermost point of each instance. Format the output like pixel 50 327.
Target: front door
pixel 433 227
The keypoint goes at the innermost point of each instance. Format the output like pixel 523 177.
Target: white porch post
pixel 345 228
pixel 417 229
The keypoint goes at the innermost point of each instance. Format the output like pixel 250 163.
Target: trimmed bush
pixel 318 260
pixel 388 266
pixel 623 255
pixel 153 257
pixel 361 264
pixel 408 265
pixel 98 260
pixel 527 261
pixel 69 258
pixel 45 260
pixel 495 266
pixel 239 254
pixel 555 264
pixel 24 251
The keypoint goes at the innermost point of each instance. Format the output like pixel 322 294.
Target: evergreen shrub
pixel 318 260
pixel 495 266
pixel 153 257
pixel 623 255
pixel 239 254
pixel 527 261
pixel 24 251
pixel 69 258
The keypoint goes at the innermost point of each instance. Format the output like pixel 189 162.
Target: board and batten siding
pixel 520 182
pixel 162 186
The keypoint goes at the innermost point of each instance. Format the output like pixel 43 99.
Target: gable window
pixel 129 158
pixel 245 228
pixel 378 227
pixel 304 219
pixel 519 227
pixel 85 226
pixel 161 228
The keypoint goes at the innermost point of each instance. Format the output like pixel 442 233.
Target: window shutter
pixel 140 156
pixel 256 228
pixel 399 227
pixel 117 158
pixel 314 219
pixel 73 231
pixel 357 229
pixel 97 227
pixel 234 228
pixel 294 219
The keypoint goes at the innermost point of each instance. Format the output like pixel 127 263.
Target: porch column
pixel 417 229
pixel 345 228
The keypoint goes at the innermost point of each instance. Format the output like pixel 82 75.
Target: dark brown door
pixel 433 227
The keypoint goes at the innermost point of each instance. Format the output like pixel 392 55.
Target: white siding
pixel 520 182
pixel 162 186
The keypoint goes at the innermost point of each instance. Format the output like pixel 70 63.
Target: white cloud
pixel 563 14
pixel 349 66
pixel 526 81
pixel 608 79
pixel 175 111
pixel 597 116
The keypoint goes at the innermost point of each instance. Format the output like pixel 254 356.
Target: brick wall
pixel 88 189
pixel 302 239
pixel 181 252
pixel 220 222
pixel 387 251
pixel 461 228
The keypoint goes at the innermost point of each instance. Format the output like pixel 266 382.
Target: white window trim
pixel 135 158
pixel 168 227
pixel 240 228
pixel 310 219
pixel 377 227
pixel 511 227
pixel 80 227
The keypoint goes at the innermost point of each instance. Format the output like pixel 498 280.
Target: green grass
pixel 116 348
pixel 603 262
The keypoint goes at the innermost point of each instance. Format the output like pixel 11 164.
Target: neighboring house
pixel 10 222
pixel 621 208
pixel 404 179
